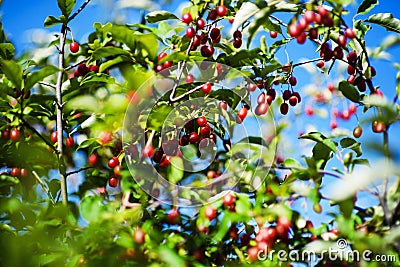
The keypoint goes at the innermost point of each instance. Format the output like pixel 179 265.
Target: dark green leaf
pixel 108 51
pixel 385 20
pixel 160 15
pixel 349 91
pixel 66 6
pixel 7 51
pixel 50 21
pixel 246 11
pixel 351 144
pixel 99 77
pixel 366 6
pixel 38 76
pixel 175 170
pixel 320 138
pixel 320 151
pixel 157 116
pixel 170 257
pixel 13 72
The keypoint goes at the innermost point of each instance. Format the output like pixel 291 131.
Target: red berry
pixel 53 137
pixel 309 16
pixel 378 127
pixel 313 33
pixel 351 70
pixel 293 100
pixel 362 86
pixel 70 142
pixel 193 138
pixel 158 68
pixel 210 212
pixel 286 67
pixel 331 87
pixel 261 109
pixel 212 15
pixel 237 43
pixel 5 134
pixel 333 125
pixel 206 88
pixel 320 64
pixel 231 20
pixel 113 162
pixel 222 11
pixel 229 199
pixel 113 182
pixel 74 47
pixel 223 105
pixel 242 113
pixel 342 40
pixel 351 79
pixel 190 32
pixel 200 23
pixel 82 69
pixel 215 34
pixel 297 95
pixel 92 160
pixel 237 34
pixel 351 56
pixel 187 18
pixel 294 31
pixel 167 64
pixel 202 121
pixel 15 134
pixel 205 131
pixel 292 81
pixel 207 51
pixel 189 78
pixel 286 94
pixel 117 171
pixel 165 162
pixel 284 108
pixel 94 68
pixel 15 172
pixel 139 236
pixel 173 216
pixel 271 92
pixel 24 173
pixel 147 152
pixel 353 108
pixel 309 111
pixel 301 39
pixel 161 56
pixel 273 34
pixel 184 140
pixel 322 11
pixel 345 115
pixel 303 24
pixel 350 33
pixel 251 87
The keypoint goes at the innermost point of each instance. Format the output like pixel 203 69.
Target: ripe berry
pixel 202 121
pixel 189 78
pixel 190 32
pixel 309 110
pixel 82 69
pixel 322 11
pixel 15 134
pixel 229 200
pixel 345 115
pixel 309 16
pixel 242 113
pixel 212 15
pixel 215 34
pixel 273 34
pixel 92 160
pixel 237 34
pixel 173 216
pixel 113 182
pixel 351 70
pixel 261 109
pixel 351 56
pixel 161 56
pixel 284 108
pixel 350 33
pixel 184 140
pixel 303 24
pixel 15 172
pixel 193 137
pixel 286 67
pixel 286 94
pixel 237 43
pixel 292 81
pixel 352 108
pixel 293 100
pixel 200 23
pixel 320 64
pixel 297 95
pixel 342 40
pixel 5 135
pixel 313 33
pixel 113 162
pixel 139 236
pixel 351 79
pixel 222 11
pixel 378 127
pixel 74 47
pixel 334 125
pixel 158 68
pixel 362 86
pixel 210 212
pixel 24 173
pixel 223 105
pixel 53 137
pixel 357 132
pixel 301 39
pixel 294 31
pixel 70 142
pixel 94 68
pixel 338 52
pixel 207 51
pixel 205 131
pixel 206 88
pixel 167 64
pixel 148 151
pixel 187 18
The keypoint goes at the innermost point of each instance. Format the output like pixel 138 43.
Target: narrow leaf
pixel 50 21
pixel 160 15
pixel 366 6
pixel 385 20
pixel 13 72
pixel 66 6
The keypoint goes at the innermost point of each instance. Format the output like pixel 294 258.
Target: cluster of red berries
pixel 165 65
pixel 13 135
pixel 113 163
pixel 19 93
pixel 203 131
pixel 69 141
pixel 16 172
pixel 82 69
pixel 237 39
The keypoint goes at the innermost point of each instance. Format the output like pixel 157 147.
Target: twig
pixel 77 171
pixel 48 84
pixel 43 185
pixel 185 94
pixel 76 64
pixel 79 10
pixel 39 135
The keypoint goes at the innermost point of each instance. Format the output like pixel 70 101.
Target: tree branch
pixel 43 185
pixel 30 127
pixel 77 171
pixel 48 84
pixel 79 10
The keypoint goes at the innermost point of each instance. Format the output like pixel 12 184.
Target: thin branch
pixel 79 10
pixel 307 62
pixel 76 64
pixel 30 127
pixel 43 185
pixel 77 171
pixel 185 94
pixel 48 84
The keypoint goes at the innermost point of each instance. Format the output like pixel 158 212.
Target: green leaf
pixel 38 76
pixel 229 96
pixel 352 144
pixel 170 257
pixel 349 91
pixel 289 162
pixel 246 11
pixel 175 170
pixel 159 15
pixel 98 78
pixel 320 138
pixel 66 6
pixel 51 21
pixel 7 51
pixel 366 6
pixel 157 116
pixel 385 20
pixel 108 51
pixel 13 72
pixel 320 151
